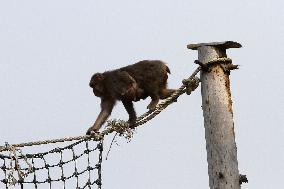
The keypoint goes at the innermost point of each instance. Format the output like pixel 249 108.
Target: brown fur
pixel 128 84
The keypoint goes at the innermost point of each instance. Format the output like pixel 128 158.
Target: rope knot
pixel 226 64
pixel 191 84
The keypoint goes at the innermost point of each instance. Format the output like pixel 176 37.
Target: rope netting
pixel 76 165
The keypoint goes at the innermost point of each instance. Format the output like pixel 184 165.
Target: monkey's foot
pixel 131 125
pixel 131 122
pixel 152 105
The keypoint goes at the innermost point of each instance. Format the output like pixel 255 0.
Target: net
pixel 76 165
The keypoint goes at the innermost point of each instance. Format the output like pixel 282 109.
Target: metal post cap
pixel 224 44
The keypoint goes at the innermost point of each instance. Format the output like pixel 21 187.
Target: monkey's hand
pixel 131 122
pixel 92 130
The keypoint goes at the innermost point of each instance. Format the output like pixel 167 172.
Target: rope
pixel 15 173
pixel 96 137
pixel 162 105
pixel 226 64
pixel 222 60
pixel 120 126
pixel 113 125
pixel 35 169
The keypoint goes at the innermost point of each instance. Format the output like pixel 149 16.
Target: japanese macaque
pixel 128 84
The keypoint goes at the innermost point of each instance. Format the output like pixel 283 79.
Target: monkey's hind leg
pixel 154 102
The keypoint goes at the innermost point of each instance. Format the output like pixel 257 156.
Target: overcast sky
pixel 50 49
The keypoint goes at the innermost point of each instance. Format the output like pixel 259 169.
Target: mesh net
pixel 76 165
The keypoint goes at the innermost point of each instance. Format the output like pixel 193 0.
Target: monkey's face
pixel 96 83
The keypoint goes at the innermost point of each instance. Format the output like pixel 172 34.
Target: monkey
pixel 130 84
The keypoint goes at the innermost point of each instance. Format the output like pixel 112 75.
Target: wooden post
pixel 218 116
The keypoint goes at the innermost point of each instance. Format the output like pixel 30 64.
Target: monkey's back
pixel 149 74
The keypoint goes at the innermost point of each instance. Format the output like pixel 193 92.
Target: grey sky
pixel 50 49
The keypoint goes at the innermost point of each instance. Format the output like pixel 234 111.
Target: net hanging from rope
pixel 76 165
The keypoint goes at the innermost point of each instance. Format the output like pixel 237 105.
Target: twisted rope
pixel 113 125
pixel 162 105
pixel 21 169
pixel 96 137
pixel 121 126
pixel 14 165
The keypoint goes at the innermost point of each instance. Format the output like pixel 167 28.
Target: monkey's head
pixel 96 83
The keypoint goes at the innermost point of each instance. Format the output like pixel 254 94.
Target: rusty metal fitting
pixel 243 179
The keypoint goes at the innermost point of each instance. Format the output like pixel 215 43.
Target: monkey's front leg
pixel 131 111
pixel 106 109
